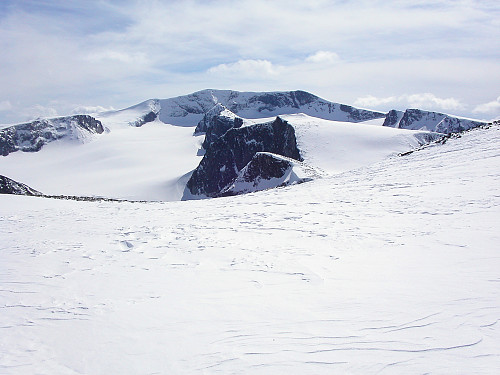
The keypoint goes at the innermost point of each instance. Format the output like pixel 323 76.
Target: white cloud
pixel 83 109
pixel 5 105
pixel 422 101
pixel 39 111
pixel 125 52
pixel 123 57
pixel 432 101
pixel 322 57
pixel 245 68
pixel 371 101
pixel 490 108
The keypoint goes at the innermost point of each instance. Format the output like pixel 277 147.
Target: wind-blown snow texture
pixel 387 269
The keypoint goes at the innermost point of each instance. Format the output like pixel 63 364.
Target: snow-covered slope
pixel 339 146
pixel 387 269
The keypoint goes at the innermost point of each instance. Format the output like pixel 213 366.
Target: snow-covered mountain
pixel 32 136
pixel 417 119
pixel 188 110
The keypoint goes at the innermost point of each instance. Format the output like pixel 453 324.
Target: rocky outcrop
pixel 392 118
pixel 151 110
pixel 267 171
pixel 230 153
pixel 417 119
pixel 31 137
pixel 148 117
pixel 9 186
pixel 216 123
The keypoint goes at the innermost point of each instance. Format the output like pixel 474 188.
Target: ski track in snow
pixel 387 269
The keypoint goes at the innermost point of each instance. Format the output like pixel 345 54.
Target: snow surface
pixel 341 146
pixel 391 268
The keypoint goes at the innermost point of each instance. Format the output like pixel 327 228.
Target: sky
pixel 63 57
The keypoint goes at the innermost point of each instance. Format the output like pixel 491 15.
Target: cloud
pixel 322 57
pixel 5 105
pixel 432 101
pixel 421 101
pixel 247 68
pixel 490 108
pixel 39 111
pixel 123 57
pixel 84 109
pixel 371 101
pixel 111 53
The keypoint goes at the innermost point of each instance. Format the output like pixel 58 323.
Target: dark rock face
pixel 216 123
pixel 30 137
pixel 357 115
pixel 270 101
pixel 9 186
pixel 149 117
pixel 392 118
pixel 230 153
pixel 263 166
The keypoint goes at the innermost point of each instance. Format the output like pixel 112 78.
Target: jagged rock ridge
pixel 229 154
pixel 9 186
pixel 417 119
pixel 31 136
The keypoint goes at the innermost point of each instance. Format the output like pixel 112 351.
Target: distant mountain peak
pixel 417 119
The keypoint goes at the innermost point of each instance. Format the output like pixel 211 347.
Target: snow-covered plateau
pixel 380 256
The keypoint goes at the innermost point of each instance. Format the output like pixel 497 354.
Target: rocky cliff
pixel 229 154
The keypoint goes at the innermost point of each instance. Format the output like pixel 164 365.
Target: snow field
pixel 386 269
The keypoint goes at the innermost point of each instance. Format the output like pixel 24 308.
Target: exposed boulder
pixel 229 154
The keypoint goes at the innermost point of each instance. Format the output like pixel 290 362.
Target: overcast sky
pixel 61 57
